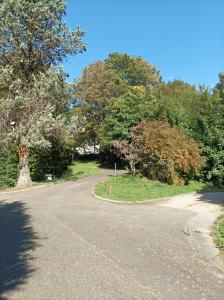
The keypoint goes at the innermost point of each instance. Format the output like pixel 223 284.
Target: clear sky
pixel 184 39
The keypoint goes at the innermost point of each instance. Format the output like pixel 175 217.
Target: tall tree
pixel 124 112
pixel 219 88
pixel 133 69
pixel 176 102
pixel 103 82
pixel 93 92
pixel 35 39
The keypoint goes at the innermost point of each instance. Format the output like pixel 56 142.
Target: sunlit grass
pixel 220 227
pixel 80 169
pixel 128 188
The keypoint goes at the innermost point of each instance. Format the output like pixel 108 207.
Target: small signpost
pixel 110 191
pixel 49 177
pixel 115 171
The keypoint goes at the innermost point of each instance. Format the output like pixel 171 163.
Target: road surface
pixel 61 243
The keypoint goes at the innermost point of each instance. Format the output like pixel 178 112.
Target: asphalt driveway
pixel 59 242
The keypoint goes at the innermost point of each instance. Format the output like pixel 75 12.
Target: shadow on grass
pixel 17 240
pixel 104 163
pixel 70 175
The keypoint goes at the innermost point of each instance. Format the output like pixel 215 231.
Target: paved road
pixel 59 243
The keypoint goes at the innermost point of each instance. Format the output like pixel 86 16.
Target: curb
pixel 42 186
pixel 147 201
pixel 25 190
pixel 203 240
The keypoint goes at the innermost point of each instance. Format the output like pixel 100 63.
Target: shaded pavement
pixel 59 242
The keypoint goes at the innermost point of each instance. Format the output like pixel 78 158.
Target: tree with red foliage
pixel 165 153
pixel 128 152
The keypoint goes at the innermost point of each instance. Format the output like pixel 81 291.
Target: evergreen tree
pixel 35 39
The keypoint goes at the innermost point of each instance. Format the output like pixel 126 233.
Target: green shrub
pixel 54 160
pixel 8 167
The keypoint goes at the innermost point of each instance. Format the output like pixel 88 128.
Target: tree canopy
pixel 43 118
pixel 34 40
pixel 133 69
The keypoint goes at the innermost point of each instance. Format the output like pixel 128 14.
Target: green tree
pixel 219 88
pixel 105 85
pixel 8 167
pixel 34 41
pixel 124 112
pixel 168 154
pixel 133 69
pixel 93 93
pixel 161 152
pixel 176 103
pixel 212 139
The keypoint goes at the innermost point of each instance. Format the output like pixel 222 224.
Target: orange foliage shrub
pixel 167 153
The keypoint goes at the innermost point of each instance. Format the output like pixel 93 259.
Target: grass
pixel 128 188
pixel 220 233
pixel 80 169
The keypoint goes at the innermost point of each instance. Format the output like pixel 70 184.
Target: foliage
pixel 8 167
pixel 31 114
pixel 128 152
pixel 199 113
pixel 34 35
pixel 110 98
pixel 34 41
pixel 135 106
pixel 52 160
pixel 93 93
pixel 219 88
pixel 108 88
pixel 213 144
pixel 165 153
pixel 133 69
pixel 177 103
pixel 130 188
pixel 168 154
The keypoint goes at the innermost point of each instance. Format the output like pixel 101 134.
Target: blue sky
pixel 184 39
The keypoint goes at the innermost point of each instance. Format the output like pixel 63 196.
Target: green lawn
pixel 80 169
pixel 220 233
pixel 77 170
pixel 128 188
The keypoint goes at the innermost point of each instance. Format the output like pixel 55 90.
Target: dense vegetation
pixel 35 40
pixel 43 119
pixel 161 152
pixel 193 116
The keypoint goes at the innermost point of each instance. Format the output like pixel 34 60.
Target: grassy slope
pixel 77 170
pixel 80 169
pixel 220 233
pixel 128 188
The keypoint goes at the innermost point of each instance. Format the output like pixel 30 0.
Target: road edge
pixel 199 231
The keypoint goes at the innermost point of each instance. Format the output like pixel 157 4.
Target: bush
pixel 54 160
pixel 167 153
pixel 213 145
pixel 8 167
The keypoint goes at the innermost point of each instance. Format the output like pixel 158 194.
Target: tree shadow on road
pixel 212 197
pixel 17 240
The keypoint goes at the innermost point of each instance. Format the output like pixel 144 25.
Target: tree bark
pixel 24 179
pixel 132 166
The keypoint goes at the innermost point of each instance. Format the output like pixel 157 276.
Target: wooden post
pixel 110 191
pixel 115 170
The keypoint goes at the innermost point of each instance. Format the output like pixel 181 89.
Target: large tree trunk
pixel 24 179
